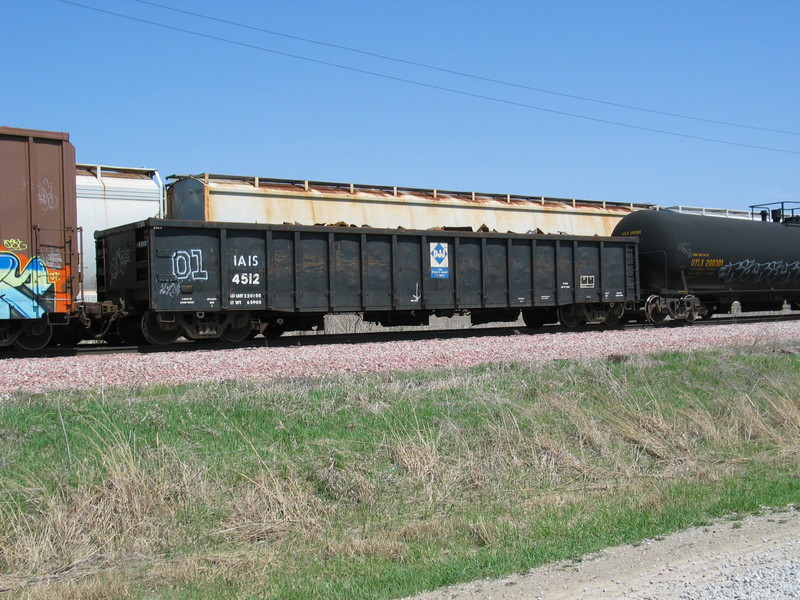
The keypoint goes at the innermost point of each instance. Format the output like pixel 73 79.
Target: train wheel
pixel 235 335
pixel 34 336
pixel 653 310
pixel 129 330
pixel 536 318
pixel 569 317
pixel 709 313
pixel 614 316
pixel 156 335
pixel 532 319
pixel 239 330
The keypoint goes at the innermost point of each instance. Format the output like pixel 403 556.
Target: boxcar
pixel 208 280
pixel 38 235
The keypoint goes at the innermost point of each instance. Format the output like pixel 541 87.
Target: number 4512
pixel 246 278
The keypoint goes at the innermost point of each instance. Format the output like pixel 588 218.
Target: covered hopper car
pixel 264 200
pixel 110 196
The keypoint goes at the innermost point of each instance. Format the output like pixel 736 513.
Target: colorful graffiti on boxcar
pixel 30 287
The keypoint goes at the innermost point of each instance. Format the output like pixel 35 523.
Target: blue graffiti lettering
pixel 24 293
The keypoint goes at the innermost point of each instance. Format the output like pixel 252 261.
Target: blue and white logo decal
pixel 440 263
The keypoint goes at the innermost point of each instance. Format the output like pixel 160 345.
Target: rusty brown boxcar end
pixel 39 254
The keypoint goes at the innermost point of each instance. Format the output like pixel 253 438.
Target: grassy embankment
pixel 383 485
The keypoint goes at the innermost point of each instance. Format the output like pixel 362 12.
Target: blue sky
pixel 136 94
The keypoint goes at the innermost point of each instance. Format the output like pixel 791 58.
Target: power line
pixel 425 85
pixel 468 75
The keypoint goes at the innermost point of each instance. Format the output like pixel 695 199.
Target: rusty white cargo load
pixel 228 198
pixel 107 197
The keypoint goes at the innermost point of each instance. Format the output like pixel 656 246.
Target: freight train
pixel 191 275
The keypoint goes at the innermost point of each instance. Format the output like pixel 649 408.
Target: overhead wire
pixel 423 84
pixel 464 74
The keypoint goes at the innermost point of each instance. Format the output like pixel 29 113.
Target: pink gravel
pixel 131 370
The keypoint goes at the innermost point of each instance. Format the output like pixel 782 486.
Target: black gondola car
pixel 208 280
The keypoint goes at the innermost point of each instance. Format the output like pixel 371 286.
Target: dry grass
pixel 124 505
pixel 268 506
pixel 96 583
pixel 347 484
pixel 384 468
pixel 373 547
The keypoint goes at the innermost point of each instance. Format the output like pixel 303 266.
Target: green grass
pixel 380 486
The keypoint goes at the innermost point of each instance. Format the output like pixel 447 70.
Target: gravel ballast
pixel 130 370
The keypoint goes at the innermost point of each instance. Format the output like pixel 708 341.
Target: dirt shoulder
pixel 729 559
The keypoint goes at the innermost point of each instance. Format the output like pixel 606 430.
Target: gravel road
pixel 757 558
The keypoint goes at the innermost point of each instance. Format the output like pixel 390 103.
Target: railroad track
pixel 285 341
pixel 324 339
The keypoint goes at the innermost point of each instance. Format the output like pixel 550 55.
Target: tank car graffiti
pixel 752 270
pixel 25 292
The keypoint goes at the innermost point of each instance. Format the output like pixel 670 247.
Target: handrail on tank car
pixel 307 184
pixel 787 211
pixel 709 211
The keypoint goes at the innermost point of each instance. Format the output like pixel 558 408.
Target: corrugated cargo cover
pixel 169 265
pixel 38 245
pixel 275 201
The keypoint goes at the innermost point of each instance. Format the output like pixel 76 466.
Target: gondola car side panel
pixel 392 276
